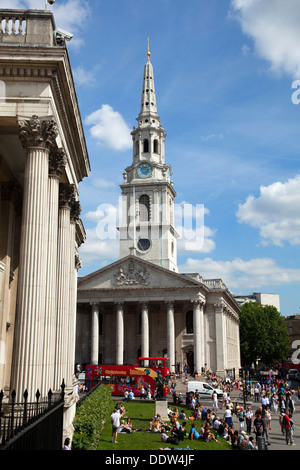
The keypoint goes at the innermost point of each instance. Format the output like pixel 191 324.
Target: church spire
pixel 148 113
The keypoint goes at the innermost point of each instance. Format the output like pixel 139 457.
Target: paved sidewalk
pixel 277 439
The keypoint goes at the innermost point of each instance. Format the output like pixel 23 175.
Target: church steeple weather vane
pixel 148 52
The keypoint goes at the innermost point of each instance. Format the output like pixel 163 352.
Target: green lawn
pixel 140 414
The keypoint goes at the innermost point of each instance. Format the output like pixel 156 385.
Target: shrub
pixel 89 419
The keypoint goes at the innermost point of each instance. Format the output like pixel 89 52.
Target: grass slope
pixel 141 414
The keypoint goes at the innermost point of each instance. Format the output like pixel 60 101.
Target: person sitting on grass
pixel 154 425
pixel 170 439
pixel 125 427
pixel 208 436
pixel 194 435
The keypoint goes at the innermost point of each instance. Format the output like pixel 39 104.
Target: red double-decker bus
pixel 133 378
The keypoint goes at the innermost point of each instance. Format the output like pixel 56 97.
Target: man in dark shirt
pixel 258 426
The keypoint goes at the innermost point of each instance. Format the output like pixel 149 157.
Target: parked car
pixel 203 388
pixel 292 373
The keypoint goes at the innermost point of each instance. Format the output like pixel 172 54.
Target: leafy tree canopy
pixel 263 335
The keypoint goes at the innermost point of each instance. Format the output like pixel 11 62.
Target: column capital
pixel 198 303
pixel 75 210
pixel 78 262
pixel 219 307
pixel 57 162
pixel 38 132
pixel 67 194
pixel 94 304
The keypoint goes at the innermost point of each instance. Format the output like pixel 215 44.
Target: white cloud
pixel 194 235
pixel 274 27
pixel 109 128
pixel 275 212
pixel 206 138
pixel 96 249
pixel 83 76
pixel 240 274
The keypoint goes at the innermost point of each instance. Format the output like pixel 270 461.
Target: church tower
pixel 147 228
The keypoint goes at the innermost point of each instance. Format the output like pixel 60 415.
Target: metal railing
pixel 34 425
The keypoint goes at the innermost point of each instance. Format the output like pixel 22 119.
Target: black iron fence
pixel 34 425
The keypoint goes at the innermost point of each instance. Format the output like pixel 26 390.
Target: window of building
pixel 146 145
pixel 189 322
pixel 144 208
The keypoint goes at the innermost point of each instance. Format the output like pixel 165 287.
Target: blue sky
pixel 224 72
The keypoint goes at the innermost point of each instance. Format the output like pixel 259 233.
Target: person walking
pixel 115 421
pixel 258 426
pixel 287 425
pixel 249 419
pixel 215 401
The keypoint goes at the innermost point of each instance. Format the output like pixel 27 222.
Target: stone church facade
pixel 140 305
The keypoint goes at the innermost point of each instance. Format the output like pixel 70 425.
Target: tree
pixel 263 335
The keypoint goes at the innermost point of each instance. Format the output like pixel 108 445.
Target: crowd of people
pixel 239 424
pixel 273 399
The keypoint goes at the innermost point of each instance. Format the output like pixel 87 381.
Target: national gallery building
pixel 140 305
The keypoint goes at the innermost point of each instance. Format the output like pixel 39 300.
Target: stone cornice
pixel 52 65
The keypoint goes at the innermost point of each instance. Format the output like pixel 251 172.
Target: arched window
pixel 155 146
pixel 189 322
pixel 144 208
pixel 146 145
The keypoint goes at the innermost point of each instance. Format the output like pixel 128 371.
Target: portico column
pixel 171 335
pixel 57 162
pixel 37 136
pixel 220 343
pixel 120 334
pixel 66 196
pixel 198 334
pixel 95 334
pixel 145 330
pixel 74 217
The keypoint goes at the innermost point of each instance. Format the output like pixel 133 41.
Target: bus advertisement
pixel 142 374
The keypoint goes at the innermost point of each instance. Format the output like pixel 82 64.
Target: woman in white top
pixel 228 416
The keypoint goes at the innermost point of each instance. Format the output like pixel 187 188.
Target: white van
pixel 203 388
pixel 292 373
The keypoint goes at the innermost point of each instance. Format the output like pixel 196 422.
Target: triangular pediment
pixel 131 272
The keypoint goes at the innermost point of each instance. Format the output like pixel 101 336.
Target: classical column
pixel 171 335
pixel 120 334
pixel 220 338
pixel 66 196
pixel 198 334
pixel 57 163
pixel 10 201
pixel 74 217
pixel 95 334
pixel 145 330
pixel 37 136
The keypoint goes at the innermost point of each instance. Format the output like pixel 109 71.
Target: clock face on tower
pixel 144 170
